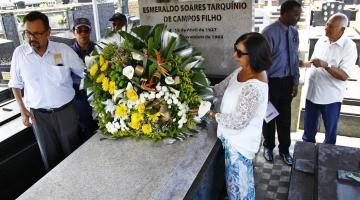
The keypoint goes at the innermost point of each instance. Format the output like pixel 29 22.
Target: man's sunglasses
pixel 82 30
pixel 239 53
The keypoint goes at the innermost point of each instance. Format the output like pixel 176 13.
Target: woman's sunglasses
pixel 239 53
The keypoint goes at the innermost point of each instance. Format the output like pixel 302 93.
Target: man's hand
pixel 26 117
pixel 318 62
pixel 304 64
pixel 294 91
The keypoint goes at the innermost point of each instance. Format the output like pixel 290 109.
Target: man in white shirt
pixel 333 59
pixel 42 68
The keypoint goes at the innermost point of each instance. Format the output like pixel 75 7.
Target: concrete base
pixel 128 169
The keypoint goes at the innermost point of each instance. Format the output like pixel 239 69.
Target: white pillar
pixel 96 20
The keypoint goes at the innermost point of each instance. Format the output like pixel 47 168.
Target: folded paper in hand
pixel 271 112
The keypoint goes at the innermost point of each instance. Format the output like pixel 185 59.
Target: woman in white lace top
pixel 242 110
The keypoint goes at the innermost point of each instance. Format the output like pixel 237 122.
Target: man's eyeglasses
pixel 36 35
pixel 82 30
pixel 239 53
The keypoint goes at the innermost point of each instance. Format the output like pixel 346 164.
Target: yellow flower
pixel 135 125
pixel 141 108
pixel 104 66
pixel 132 95
pixel 101 60
pixel 136 117
pixel 94 68
pixel 154 117
pixel 146 128
pixel 112 87
pixel 121 110
pixel 100 78
pixel 105 84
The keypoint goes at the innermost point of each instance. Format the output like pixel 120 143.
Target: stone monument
pixel 209 25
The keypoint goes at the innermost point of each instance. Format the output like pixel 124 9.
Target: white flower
pixel 158 96
pixel 192 64
pixel 111 128
pixel 180 113
pixel 89 61
pixel 175 101
pixel 176 92
pixel 146 95
pixel 152 95
pixel 204 108
pixel 117 94
pixel 169 80
pixel 109 106
pixel 142 99
pixel 136 56
pixel 158 87
pixel 128 71
pixel 164 89
pixel 116 125
pixel 169 101
pixel 129 86
pixel 185 52
pixel 166 37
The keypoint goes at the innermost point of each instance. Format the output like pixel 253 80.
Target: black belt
pixel 53 110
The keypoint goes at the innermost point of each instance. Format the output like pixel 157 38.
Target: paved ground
pixel 272 180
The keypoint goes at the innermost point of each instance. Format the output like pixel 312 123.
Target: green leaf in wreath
pixel 142 32
pixel 136 42
pixel 170 48
pixel 87 82
pixel 199 77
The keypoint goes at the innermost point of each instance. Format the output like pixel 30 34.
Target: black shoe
pixel 268 155
pixel 286 157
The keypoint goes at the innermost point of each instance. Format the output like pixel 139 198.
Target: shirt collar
pixel 283 26
pixel 340 41
pixel 50 49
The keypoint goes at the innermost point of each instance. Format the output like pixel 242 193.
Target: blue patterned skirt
pixel 239 174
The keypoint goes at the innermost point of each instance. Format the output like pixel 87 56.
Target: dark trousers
pixel 280 90
pixel 87 124
pixel 330 114
pixel 56 134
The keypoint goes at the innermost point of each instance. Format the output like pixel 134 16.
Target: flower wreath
pixel 149 86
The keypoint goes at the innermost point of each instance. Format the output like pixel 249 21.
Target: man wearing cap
pixel 118 22
pixel 83 46
pixel 42 69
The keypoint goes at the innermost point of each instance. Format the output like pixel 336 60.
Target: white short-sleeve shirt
pixel 46 79
pixel 323 88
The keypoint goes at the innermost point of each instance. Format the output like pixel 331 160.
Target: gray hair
pixel 344 21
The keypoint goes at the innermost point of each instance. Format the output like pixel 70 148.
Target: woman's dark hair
pixel 289 6
pixel 258 50
pixel 35 15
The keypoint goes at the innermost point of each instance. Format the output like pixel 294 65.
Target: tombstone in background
pixel 320 17
pixel 211 26
pixel 10 28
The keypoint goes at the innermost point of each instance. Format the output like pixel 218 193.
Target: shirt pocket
pixel 58 75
